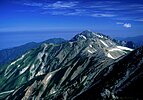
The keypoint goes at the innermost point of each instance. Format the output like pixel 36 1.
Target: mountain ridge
pixel 137 40
pixel 52 69
pixel 11 54
pixel 122 81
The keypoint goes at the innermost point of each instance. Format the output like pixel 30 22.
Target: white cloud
pixel 107 2
pixel 78 12
pixel 98 6
pixel 119 23
pixel 136 5
pixel 103 15
pixel 33 4
pixel 140 20
pixel 61 4
pixel 127 25
pixel 73 13
pixel 58 12
pixel 92 8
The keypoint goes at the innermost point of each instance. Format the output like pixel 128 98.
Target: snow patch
pixel 17 60
pixel 6 71
pixel 52 91
pixel 100 36
pixel 84 77
pixel 42 67
pixel 6 92
pixel 48 78
pixel 32 67
pixel 32 71
pixel 90 45
pixel 120 48
pixel 110 56
pixel 104 43
pixel 24 69
pixel 124 48
pixel 40 55
pixel 10 74
pixel 40 73
pixel 83 36
pixel 110 42
pixel 18 66
pixel 91 51
pixel 115 49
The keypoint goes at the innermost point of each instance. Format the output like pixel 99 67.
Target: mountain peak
pixel 89 34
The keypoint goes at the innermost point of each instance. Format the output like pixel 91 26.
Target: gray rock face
pixel 62 71
pixel 121 80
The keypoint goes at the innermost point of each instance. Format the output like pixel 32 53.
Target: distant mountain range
pixel 10 54
pixel 89 66
pixel 125 43
pixel 137 40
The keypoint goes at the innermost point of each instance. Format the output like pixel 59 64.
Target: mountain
pixel 8 55
pixel 60 71
pixel 54 41
pixel 137 40
pixel 121 80
pixel 128 44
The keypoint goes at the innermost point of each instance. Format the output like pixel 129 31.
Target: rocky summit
pixel 89 66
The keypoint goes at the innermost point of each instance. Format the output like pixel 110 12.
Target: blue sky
pixel 64 18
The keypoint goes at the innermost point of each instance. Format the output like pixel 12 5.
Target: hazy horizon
pixel 18 38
